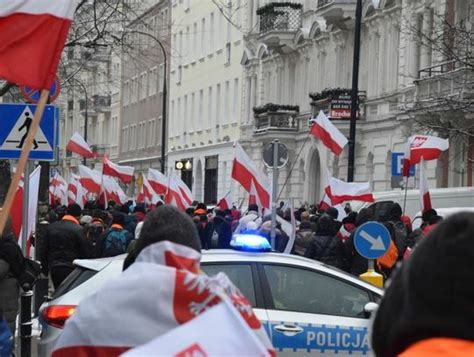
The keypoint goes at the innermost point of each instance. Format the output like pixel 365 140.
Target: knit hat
pixel 432 295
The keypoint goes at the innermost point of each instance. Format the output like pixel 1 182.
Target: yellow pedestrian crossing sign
pixel 15 122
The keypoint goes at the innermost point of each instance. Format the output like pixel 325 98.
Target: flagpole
pixel 406 192
pixel 25 153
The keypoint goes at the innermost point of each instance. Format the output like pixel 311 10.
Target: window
pixel 317 293
pixel 203 37
pixel 228 48
pixel 218 104
pixel 235 100
pixel 180 74
pixel 211 34
pixel 201 103
pixel 184 119
pixel 77 277
pixel 226 102
pixel 239 274
pixel 161 77
pixel 209 108
pixel 195 30
pixel 153 81
pixel 192 113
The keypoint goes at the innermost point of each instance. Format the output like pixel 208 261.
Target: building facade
pixel 205 94
pixel 143 73
pixel 299 57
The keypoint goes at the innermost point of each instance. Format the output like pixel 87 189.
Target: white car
pixel 306 307
pixel 442 212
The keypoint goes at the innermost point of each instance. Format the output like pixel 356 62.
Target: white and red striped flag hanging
pixel 79 146
pixel 329 135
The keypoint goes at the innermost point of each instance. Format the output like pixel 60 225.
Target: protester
pixel 160 289
pixel 11 267
pixel 431 219
pixel 326 247
pixel 304 237
pixel 5 338
pixel 205 231
pixel 348 226
pixel 251 216
pixel 116 240
pixel 94 232
pixel 63 242
pixel 357 264
pixel 398 230
pixel 223 228
pixel 427 308
pixel 281 238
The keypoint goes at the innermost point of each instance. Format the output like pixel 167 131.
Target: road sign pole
pixel 23 159
pixel 24 212
pixel 371 276
pixel 274 192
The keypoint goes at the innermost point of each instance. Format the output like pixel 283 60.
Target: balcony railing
pixel 280 17
pixel 283 121
pixel 438 69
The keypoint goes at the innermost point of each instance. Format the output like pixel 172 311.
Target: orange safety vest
pixel 443 346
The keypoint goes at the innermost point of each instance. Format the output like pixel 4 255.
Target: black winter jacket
pixel 63 242
pixel 327 250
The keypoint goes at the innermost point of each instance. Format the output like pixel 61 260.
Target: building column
pixel 426 30
pixel 248 100
pixel 252 98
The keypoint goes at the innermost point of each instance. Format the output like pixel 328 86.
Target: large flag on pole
pixel 226 201
pixel 57 190
pixel 79 146
pixel 32 37
pixel 329 135
pixel 124 173
pixel 158 181
pixel 173 194
pixel 186 193
pixel 424 147
pixel 245 173
pixel 90 179
pixel 75 191
pixel 340 191
pixel 425 199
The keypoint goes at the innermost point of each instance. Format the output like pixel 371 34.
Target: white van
pixel 440 197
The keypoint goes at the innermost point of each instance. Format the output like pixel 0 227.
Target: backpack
pixel 115 243
pixel 399 235
pixel 390 258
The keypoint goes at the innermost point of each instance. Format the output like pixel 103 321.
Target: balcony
pixel 336 10
pixel 272 117
pixel 101 103
pixel 278 24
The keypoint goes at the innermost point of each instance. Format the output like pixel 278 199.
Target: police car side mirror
pixel 369 308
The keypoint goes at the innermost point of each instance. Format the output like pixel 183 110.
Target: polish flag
pixel 245 173
pixel 424 147
pixel 226 201
pixel 79 146
pixel 173 194
pixel 90 179
pixel 76 193
pixel 113 191
pixel 158 181
pixel 124 173
pixel 326 203
pixel 425 199
pixel 32 37
pixel 147 194
pixel 330 136
pixel 186 193
pixel 340 191
pixel 57 190
pixel 17 209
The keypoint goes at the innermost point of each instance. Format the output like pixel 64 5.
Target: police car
pixel 306 307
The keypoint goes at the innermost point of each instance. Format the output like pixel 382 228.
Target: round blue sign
pixel 372 240
pixel 32 95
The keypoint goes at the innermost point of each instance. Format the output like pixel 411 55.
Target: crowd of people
pixel 68 233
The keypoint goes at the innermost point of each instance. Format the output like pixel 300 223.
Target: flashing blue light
pixel 250 242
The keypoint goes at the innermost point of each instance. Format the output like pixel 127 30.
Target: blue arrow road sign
pixel 15 122
pixel 397 164
pixel 372 240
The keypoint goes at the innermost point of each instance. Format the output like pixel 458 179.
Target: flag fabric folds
pixel 124 173
pixel 226 201
pixel 339 191
pixel 425 199
pixel 32 37
pixel 79 146
pixel 90 179
pixel 424 147
pixel 329 135
pixel 75 191
pixel 58 190
pixel 245 173
pixel 158 181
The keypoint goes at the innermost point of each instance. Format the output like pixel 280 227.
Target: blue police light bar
pixel 250 242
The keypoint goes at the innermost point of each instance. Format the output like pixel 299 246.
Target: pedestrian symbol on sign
pixel 17 136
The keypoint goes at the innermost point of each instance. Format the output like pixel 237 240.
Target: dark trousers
pixel 59 273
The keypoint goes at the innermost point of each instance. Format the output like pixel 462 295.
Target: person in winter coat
pixel 5 338
pixel 205 230
pixel 281 238
pixel 63 242
pixel 11 267
pixel 251 216
pixel 94 233
pixel 398 230
pixel 348 226
pixel 223 227
pixel 357 264
pixel 428 309
pixel 304 238
pixel 116 239
pixel 326 246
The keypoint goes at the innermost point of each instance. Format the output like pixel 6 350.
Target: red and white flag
pixel 57 190
pixel 326 203
pixel 113 191
pixel 330 136
pixel 340 191
pixel 76 193
pixel 245 173
pixel 90 179
pixel 79 146
pixel 183 293
pixel 32 37
pixel 158 181
pixel 186 193
pixel 124 173
pixel 424 147
pixel 193 338
pixel 147 194
pixel 17 208
pixel 226 201
pixel 425 199
pixel 173 194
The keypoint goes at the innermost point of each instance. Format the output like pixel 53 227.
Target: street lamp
pixel 163 121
